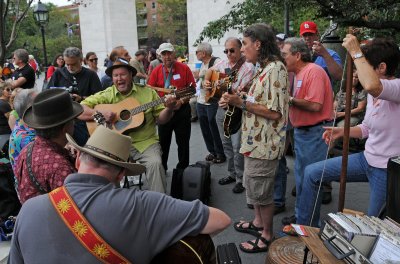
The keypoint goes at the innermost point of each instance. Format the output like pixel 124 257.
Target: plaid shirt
pixel 51 164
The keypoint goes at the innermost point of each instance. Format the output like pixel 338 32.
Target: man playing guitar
pixel 234 61
pixel 145 146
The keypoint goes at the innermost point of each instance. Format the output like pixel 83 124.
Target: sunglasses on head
pixel 229 50
pixel 93 60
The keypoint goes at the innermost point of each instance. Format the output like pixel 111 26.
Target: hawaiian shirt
pixel 20 136
pixel 263 138
pixel 51 164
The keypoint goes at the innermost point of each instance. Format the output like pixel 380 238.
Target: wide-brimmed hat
pixel 51 108
pixel 118 64
pixel 111 147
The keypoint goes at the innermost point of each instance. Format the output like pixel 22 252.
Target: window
pixel 153 5
pixel 154 18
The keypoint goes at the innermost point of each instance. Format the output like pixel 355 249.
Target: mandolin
pixel 233 115
pixel 129 112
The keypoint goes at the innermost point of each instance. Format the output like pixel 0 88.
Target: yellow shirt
pixel 145 135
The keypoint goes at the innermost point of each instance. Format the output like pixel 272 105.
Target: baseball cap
pixel 308 27
pixel 165 47
pixel 281 36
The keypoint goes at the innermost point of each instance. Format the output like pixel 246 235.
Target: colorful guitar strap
pixel 82 229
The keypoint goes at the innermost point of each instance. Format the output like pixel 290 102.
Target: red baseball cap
pixel 308 27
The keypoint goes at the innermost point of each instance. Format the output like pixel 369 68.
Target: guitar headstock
pixel 328 31
pixel 100 119
pixel 185 93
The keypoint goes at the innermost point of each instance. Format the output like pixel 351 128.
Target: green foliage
pixel 30 37
pixel 173 24
pixel 381 16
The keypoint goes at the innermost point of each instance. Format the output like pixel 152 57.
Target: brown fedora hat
pixel 111 147
pixel 118 64
pixel 51 108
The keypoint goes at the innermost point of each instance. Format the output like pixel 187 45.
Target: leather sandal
pixel 250 229
pixel 256 248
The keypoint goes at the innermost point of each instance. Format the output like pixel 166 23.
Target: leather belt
pixel 311 126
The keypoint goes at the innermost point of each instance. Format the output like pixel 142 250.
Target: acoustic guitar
pixel 129 112
pixel 219 82
pixel 189 250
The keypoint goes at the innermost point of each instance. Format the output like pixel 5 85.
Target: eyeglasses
pixel 229 50
pixel 93 60
pixel 197 51
pixel 60 58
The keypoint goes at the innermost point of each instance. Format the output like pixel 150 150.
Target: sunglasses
pixel 229 50
pixel 93 60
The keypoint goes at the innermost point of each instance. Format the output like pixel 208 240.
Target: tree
pixel 173 25
pixel 379 15
pixel 12 12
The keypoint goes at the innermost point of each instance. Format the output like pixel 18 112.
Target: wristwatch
pixel 358 55
pixel 243 106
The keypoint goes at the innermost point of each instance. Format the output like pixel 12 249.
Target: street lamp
pixel 41 15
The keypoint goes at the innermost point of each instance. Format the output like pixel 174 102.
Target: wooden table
pixel 314 244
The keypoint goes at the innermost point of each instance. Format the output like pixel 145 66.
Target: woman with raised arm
pixel 376 63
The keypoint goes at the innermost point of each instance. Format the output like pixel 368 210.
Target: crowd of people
pixel 282 86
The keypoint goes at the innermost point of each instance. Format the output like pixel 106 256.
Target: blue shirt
pixel 321 61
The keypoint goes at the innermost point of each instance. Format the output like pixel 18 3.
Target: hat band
pixel 108 154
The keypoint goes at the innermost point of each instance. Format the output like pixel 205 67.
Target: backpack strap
pixel 82 229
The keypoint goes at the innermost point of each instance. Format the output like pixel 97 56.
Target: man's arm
pixel 18 82
pixel 333 63
pixel 305 105
pixel 217 222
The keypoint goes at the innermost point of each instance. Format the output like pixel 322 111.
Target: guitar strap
pixel 82 229
pixel 238 64
pixel 30 171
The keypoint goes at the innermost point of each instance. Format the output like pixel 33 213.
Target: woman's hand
pixel 351 43
pixel 332 133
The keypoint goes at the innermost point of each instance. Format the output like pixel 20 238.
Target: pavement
pixel 357 194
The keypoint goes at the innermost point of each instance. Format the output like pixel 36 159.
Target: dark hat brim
pixel 31 121
pixel 132 168
pixel 110 69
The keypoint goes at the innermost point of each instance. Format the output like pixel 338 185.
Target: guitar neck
pixel 146 106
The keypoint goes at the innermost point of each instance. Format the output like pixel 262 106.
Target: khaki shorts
pixel 259 176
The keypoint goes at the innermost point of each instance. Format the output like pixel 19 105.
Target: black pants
pixel 181 125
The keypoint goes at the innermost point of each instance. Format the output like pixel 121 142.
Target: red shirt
pixel 182 76
pixel 51 164
pixel 312 84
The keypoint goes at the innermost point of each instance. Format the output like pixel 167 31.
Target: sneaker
pixel 194 119
pixel 289 220
pixel 238 188
pixel 219 159
pixel 279 209
pixel 226 180
pixel 326 197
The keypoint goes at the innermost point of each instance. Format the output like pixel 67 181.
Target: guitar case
pixel 228 253
pixel 196 182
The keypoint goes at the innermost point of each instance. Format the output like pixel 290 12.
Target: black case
pixel 196 182
pixel 228 254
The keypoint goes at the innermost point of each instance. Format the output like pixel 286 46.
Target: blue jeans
pixel 280 183
pixel 358 171
pixel 231 145
pixel 209 129
pixel 309 148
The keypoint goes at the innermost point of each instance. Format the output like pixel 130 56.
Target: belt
pixel 318 124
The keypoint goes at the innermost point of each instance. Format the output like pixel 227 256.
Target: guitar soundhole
pixel 125 115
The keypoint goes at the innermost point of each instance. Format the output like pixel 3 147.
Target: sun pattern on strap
pixel 82 229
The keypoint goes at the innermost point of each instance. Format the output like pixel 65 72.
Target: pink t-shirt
pixel 381 125
pixel 312 84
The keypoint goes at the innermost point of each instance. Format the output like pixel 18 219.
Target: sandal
pixel 210 157
pixel 251 229
pixel 256 248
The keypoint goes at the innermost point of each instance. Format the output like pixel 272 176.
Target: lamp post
pixel 41 15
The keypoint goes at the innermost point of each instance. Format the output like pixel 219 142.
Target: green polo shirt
pixel 145 135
